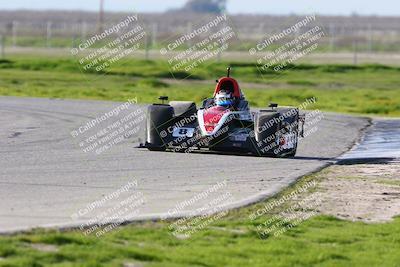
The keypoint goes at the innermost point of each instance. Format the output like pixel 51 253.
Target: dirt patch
pixel 361 192
pixel 230 230
pixel 133 264
pixel 44 247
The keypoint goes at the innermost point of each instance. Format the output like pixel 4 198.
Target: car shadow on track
pixel 241 154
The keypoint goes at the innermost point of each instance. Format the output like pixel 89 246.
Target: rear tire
pixel 293 120
pixel 264 133
pixel 288 155
pixel 271 125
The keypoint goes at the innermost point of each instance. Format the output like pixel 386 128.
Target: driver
pixel 224 99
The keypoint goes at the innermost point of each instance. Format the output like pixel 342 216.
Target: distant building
pixel 204 6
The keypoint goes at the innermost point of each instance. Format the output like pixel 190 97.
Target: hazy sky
pixel 340 7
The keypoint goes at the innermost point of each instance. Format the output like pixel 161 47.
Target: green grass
pixel 231 241
pixel 389 182
pixel 365 89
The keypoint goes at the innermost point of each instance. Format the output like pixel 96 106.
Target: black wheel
pixel 159 118
pixel 265 128
pixel 290 154
pixel 289 126
pixel 154 148
pixel 272 125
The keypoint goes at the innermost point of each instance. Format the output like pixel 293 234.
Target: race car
pixel 223 123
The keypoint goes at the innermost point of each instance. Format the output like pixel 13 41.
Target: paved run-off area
pixel 47 178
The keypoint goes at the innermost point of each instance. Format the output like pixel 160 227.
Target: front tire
pixel 158 119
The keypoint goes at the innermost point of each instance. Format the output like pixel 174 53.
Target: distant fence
pixel 373 34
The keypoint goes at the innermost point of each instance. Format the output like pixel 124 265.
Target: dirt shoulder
pixel 366 191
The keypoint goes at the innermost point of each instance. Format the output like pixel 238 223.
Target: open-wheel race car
pixel 224 123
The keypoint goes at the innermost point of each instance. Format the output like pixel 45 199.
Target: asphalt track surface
pixel 381 140
pixel 48 180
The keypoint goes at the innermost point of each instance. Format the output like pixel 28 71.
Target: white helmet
pixel 224 99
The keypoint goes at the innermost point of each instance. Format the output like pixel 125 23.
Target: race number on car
pixel 179 132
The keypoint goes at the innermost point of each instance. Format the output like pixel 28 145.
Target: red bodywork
pixel 228 83
pixel 212 116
